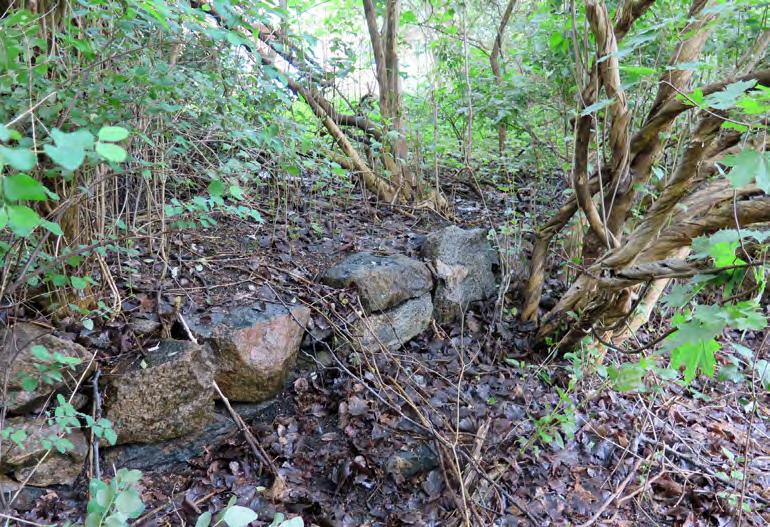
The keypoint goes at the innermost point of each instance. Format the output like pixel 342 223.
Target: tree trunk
pixel 494 63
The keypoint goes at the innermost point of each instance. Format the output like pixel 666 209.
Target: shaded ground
pixel 466 423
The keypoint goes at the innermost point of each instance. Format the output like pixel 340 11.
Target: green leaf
pixel 595 107
pixel 82 139
pixel 22 220
pixel 726 99
pixel 694 356
pixel 111 436
pixel 40 352
pixel 18 187
pixel 236 192
pixel 78 282
pixel 115 520
pixel 216 188
pixel 69 158
pixel 110 152
pixel 749 166
pixel 29 384
pixel 18 158
pixel 54 228
pixel 69 152
pixel 5 133
pixel 129 503
pixel 237 516
pixel 112 133
pixel 294 522
pixel 204 520
pixel 88 324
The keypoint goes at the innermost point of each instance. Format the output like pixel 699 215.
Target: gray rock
pixel 408 464
pixel 463 262
pixel 382 281
pixel 169 396
pixel 393 328
pixel 18 362
pixel 57 468
pixel 254 348
pixel 174 454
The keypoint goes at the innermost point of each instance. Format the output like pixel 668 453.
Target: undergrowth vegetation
pixel 637 130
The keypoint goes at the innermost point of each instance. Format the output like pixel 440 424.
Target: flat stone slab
pixel 393 328
pixel 381 281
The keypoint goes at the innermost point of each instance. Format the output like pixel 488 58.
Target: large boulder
pixel 168 395
pixel 381 281
pixel 254 347
pixel 18 361
pixel 463 262
pixel 393 328
pixel 39 436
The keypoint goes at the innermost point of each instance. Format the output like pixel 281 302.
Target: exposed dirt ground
pixel 466 424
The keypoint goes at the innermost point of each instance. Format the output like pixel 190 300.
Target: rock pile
pixel 162 406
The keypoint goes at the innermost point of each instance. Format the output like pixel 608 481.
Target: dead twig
pixel 256 448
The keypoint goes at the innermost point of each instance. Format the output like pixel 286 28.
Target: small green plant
pixel 49 367
pixel 237 516
pixel 113 504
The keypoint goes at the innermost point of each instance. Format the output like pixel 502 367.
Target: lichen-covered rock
pixel 463 261
pixel 169 395
pixel 57 468
pixel 393 328
pixel 254 348
pixel 17 362
pixel 381 281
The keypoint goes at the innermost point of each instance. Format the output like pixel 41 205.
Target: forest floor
pixel 465 424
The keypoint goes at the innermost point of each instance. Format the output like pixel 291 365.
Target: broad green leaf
pixel 78 282
pixel 111 436
pixel 18 158
pixel 54 228
pixel 69 149
pixel 747 167
pixel 110 152
pixel 3 217
pixel 115 520
pixel 595 107
pixel 727 98
pixel 129 503
pixel 237 516
pixel 695 356
pixel 5 133
pixel 21 187
pixel 236 192
pixel 22 220
pixel 216 188
pixel 69 158
pixel 204 520
pixel 78 139
pixel 112 133
pixel 126 476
